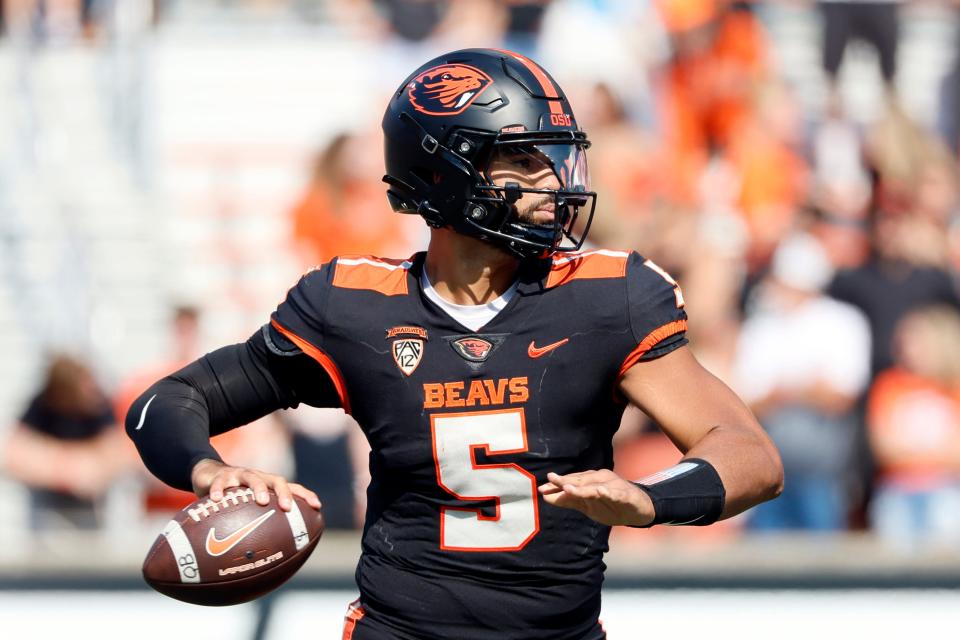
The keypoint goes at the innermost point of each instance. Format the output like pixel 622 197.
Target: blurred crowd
pixel 818 252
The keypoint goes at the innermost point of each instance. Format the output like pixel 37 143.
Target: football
pixel 233 550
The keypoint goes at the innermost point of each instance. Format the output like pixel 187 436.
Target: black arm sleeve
pixel 172 421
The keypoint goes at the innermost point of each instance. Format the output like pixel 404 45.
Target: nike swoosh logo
pixel 143 414
pixel 535 352
pixel 217 546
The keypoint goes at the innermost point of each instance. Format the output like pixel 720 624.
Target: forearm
pixel 748 465
pixel 706 420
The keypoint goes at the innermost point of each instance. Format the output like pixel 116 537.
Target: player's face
pixel 533 167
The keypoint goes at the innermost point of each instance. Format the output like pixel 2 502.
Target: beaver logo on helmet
pixel 448 89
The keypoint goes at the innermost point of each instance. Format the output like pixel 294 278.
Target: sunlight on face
pixel 530 171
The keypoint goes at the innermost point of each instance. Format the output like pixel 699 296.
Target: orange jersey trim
pixel 368 273
pixel 323 359
pixel 593 264
pixel 655 336
pixel 355 613
pixel 549 89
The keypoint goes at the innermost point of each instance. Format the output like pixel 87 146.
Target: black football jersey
pixel 464 425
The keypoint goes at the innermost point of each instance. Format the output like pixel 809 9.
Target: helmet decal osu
pixel 448 89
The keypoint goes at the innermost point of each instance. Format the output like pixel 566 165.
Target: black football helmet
pixel 465 111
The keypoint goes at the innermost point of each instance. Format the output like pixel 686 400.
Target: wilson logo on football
pixel 448 89
pixel 407 354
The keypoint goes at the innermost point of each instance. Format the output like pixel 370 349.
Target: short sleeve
pixel 301 314
pixel 300 319
pixel 656 311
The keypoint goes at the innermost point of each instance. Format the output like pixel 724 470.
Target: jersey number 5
pixel 456 439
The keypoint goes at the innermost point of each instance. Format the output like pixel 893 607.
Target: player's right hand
pixel 601 495
pixel 214 477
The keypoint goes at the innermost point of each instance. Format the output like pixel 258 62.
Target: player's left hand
pixel 600 495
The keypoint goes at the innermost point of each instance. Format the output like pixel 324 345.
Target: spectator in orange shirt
pixel 342 210
pixel 707 89
pixel 914 425
pixel 720 104
pixel 765 155
pixel 626 166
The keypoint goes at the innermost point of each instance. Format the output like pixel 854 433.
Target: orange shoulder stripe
pixel 382 275
pixel 323 359
pixel 655 336
pixel 592 264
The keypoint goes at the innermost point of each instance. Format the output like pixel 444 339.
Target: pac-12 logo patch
pixel 448 89
pixel 407 354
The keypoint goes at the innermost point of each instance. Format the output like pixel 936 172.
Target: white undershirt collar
pixel 472 316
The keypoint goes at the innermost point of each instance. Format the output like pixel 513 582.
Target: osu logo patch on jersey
pixel 407 354
pixel 448 89
pixel 475 348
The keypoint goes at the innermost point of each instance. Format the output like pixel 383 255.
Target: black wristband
pixel 689 493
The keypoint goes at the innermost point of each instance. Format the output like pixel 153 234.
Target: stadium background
pixel 168 169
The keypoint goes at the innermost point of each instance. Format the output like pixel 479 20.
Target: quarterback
pixel 489 374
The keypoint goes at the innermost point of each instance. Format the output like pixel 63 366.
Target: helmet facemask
pixel 532 193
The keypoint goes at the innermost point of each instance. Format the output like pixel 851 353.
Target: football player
pixel 488 373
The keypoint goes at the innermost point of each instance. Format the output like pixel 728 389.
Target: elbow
pixel 773 477
pixel 775 485
pixel 768 475
pixel 137 413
